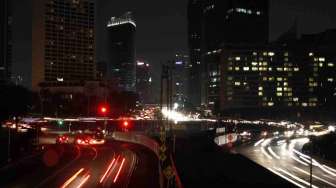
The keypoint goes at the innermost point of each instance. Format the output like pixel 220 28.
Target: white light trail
pixel 298 160
pixel 296 178
pixel 265 153
pixel 284 177
pixel 273 153
pixel 321 179
pixel 266 142
pixel 257 143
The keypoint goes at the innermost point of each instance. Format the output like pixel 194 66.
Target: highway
pixel 114 164
pixel 284 158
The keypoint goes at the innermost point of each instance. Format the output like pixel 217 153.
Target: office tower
pixel 144 82
pixel 194 43
pixel 5 41
pixel 63 42
pixel 121 65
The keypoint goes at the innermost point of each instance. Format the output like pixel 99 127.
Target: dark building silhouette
pixel 63 42
pixel 194 42
pixel 180 71
pixel 121 65
pixel 5 41
pixel 144 82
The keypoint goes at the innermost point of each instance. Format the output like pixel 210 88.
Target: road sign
pixel 168 172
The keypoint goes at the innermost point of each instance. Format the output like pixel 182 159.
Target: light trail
pixel 323 180
pixel 296 178
pixel 107 170
pixel 266 142
pixel 117 175
pixel 83 181
pixel 329 168
pixel 72 178
pixel 298 160
pixel 284 177
pixel 257 143
pixel 265 153
pixel 273 153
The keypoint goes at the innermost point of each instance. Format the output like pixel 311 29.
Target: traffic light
pixel 60 122
pixel 125 124
pixel 103 109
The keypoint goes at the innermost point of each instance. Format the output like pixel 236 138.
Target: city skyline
pixel 283 14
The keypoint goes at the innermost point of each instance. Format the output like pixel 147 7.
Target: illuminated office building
pixel 63 45
pixel 299 76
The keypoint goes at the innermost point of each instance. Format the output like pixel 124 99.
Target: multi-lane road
pixel 284 158
pixel 114 164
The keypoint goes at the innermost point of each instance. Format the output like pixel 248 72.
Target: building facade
pixel 63 41
pixel 299 75
pixel 144 82
pixel 195 14
pixel 180 80
pixel 5 41
pixel 121 63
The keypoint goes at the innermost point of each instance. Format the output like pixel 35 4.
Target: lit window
pixel 279 79
pixel 255 53
pixel 260 94
pixel 330 79
pixel 321 64
pixel 296 69
pixel 279 88
pixel 270 103
pixel 254 68
pixel 270 69
pixel 330 64
pixel 285 83
pixel 296 99
pixel 237 83
pixel 304 104
pixel 237 58
pixel 279 69
pixel 322 59
pixel 286 54
pixel 254 63
pixel 230 68
pixel 246 68
pixel 237 68
pixel 271 54
pixel 279 94
pixel 260 88
pixel 311 54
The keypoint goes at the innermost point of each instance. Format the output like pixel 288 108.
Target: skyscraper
pixel 224 23
pixel 144 82
pixel 194 43
pixel 5 41
pixel 121 65
pixel 63 41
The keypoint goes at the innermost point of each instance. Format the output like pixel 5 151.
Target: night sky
pixel 162 26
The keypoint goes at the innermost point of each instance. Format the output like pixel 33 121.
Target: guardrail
pixel 142 140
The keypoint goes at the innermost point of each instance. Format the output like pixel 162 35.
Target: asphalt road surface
pixel 114 164
pixel 284 158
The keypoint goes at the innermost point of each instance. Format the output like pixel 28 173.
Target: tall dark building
pixel 212 24
pixel 5 41
pixel 121 65
pixel 63 42
pixel 194 42
pixel 144 82
pixel 224 23
pixel 180 70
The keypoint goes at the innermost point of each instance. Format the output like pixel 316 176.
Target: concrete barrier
pixel 142 140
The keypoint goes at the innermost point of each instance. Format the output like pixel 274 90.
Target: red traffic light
pixel 103 109
pixel 125 123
